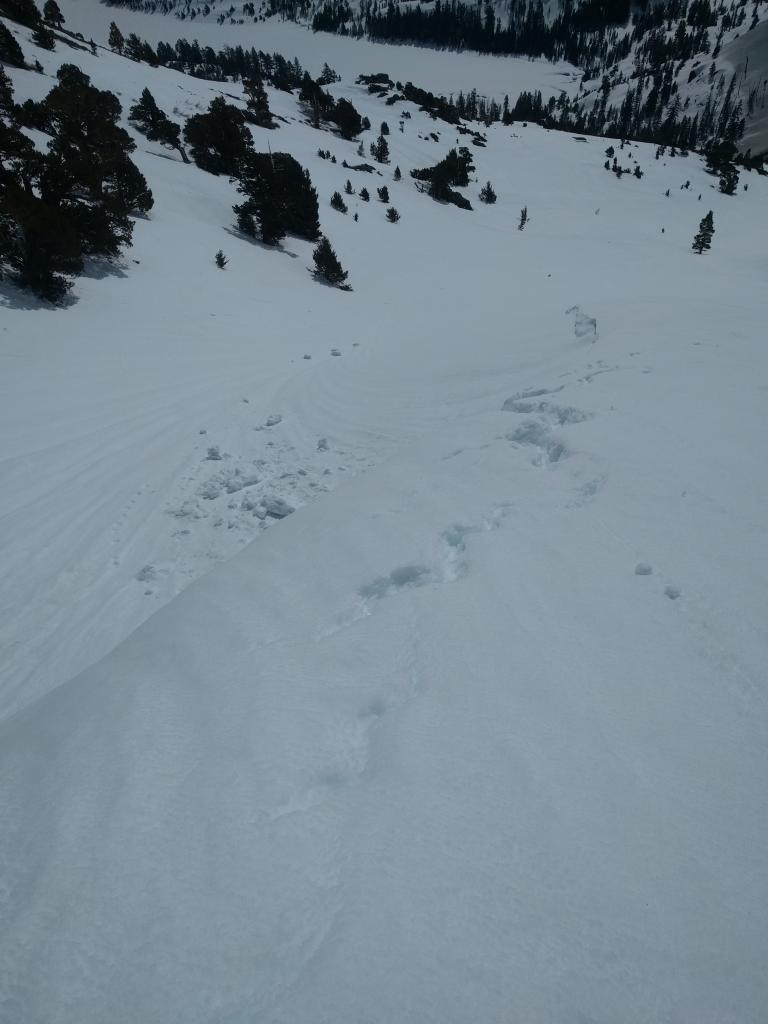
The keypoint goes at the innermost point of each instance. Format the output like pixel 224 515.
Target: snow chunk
pixel 583 326
pixel 277 508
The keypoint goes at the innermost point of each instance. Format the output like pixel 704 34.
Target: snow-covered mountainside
pixel 672 72
pixel 398 654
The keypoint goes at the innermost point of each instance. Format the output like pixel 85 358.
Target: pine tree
pixel 25 12
pixel 328 76
pixel 116 39
pixel 383 193
pixel 523 218
pixel 257 107
pixel 151 121
pixel 315 99
pixel 729 180
pixel 392 215
pixel 218 140
pixel 346 118
pixel 380 150
pixel 487 195
pixel 20 162
pixel 384 128
pixel 10 51
pixel 88 171
pixel 74 200
pixel 52 13
pixel 145 112
pixel 327 264
pixel 338 203
pixel 398 174
pixel 348 188
pixel 703 238
pixel 279 199
pixel 6 94
pixel 220 260
pixel 39 244
pixel 364 195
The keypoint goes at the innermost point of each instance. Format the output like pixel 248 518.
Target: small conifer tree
pixel 348 188
pixel 257 106
pixel 10 51
pixel 43 37
pixel 383 193
pixel 337 203
pixel 703 238
pixel 328 76
pixel 380 150
pixel 487 195
pixel 220 260
pixel 116 38
pixel 398 174
pixel 392 215
pixel 729 180
pixel 365 195
pixel 327 264
pixel 52 13
pixel 523 218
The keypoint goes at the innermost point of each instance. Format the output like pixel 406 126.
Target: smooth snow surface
pixel 477 733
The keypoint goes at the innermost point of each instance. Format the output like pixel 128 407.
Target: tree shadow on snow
pixel 13 297
pixel 97 270
pixel 261 245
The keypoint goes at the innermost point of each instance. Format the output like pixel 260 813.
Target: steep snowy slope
pixel 747 56
pixel 111 505
pixel 481 734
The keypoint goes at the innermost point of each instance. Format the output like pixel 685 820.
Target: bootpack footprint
pixel 535 434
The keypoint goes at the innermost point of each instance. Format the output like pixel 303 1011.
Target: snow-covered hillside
pixel 480 731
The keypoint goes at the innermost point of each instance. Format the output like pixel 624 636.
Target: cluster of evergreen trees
pixel 254 68
pixel 279 199
pixel 26 13
pixel 585 34
pixel 661 36
pixel 642 115
pixel 214 65
pixel 73 201
pixel 323 107
pixel 650 110
pixel 452 170
pixel 219 139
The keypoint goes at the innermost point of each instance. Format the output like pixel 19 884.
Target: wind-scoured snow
pixel 425 682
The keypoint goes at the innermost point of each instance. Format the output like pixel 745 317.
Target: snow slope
pixel 747 57
pixel 438 746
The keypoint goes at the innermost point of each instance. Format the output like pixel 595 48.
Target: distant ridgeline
pixel 595 35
